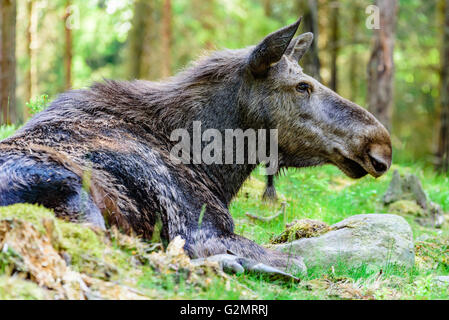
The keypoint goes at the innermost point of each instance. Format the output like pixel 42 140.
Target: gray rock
pixel 409 188
pixel 370 239
pixel 442 280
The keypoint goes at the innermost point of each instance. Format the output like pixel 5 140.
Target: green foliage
pixel 200 219
pixel 7 130
pixel 37 105
pixel 8 256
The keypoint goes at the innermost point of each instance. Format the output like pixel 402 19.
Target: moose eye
pixel 304 87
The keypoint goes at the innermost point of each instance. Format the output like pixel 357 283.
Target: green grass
pixel 316 193
pixel 326 194
pixel 7 130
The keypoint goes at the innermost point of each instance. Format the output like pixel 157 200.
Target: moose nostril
pixel 378 165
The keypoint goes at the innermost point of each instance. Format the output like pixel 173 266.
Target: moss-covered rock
pixel 86 249
pixel 373 240
pixel 405 195
pixel 303 228
pixel 405 187
pixel 404 207
pixel 65 260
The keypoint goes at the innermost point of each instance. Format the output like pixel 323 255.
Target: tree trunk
pixel 8 10
pixel 354 57
pixel 166 38
pixel 381 65
pixel 334 43
pixel 151 56
pixel 68 45
pixel 204 13
pixel 135 39
pixel 34 46
pixel 142 39
pixel 308 9
pixel 29 40
pixel 443 141
pixel 267 8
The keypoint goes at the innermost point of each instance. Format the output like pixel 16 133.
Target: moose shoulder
pixel 118 135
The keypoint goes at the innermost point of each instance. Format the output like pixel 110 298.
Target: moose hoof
pixel 234 264
pixel 270 194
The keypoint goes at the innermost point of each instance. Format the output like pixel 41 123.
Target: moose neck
pixel 213 105
pixel 221 112
pixel 211 93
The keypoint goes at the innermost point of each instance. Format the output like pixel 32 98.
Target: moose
pixel 116 136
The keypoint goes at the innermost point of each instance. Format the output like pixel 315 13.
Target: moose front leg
pixel 209 232
pixel 236 253
pixel 270 191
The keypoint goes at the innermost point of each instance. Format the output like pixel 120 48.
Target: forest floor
pixel 111 265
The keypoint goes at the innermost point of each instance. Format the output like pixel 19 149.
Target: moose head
pixel 315 125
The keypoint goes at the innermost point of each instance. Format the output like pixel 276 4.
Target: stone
pixel 405 195
pixel 403 207
pixel 374 240
pixel 442 280
pixel 407 187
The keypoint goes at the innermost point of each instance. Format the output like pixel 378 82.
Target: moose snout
pixel 378 159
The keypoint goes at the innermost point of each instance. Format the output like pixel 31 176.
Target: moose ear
pixel 271 49
pixel 299 46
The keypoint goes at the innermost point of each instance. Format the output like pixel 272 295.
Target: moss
pixel 27 212
pixel 9 260
pixel 89 251
pixel 433 253
pixel 78 240
pixel 15 288
pixel 406 207
pixel 304 228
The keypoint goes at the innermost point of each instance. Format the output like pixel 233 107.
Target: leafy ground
pixel 116 266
